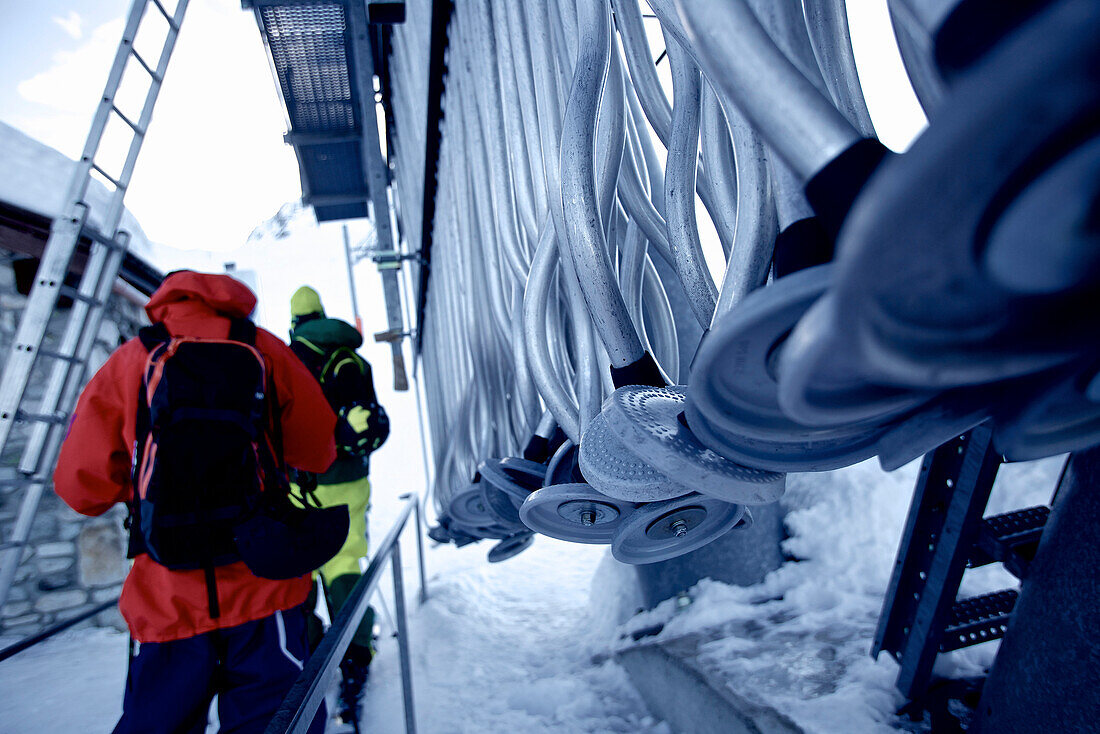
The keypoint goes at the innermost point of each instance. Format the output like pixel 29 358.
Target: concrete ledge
pixel 688 697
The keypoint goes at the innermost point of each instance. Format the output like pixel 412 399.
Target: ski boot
pixel 355 669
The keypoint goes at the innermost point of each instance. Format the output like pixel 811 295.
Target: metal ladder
pixel 109 244
pixel 946 534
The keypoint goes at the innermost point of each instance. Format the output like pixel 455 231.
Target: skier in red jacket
pixel 253 648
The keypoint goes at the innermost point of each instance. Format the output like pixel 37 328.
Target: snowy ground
pixel 800 641
pixel 511 647
pixel 508 648
pixel 497 648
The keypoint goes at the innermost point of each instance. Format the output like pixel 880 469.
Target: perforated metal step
pixel 1010 538
pixel 978 619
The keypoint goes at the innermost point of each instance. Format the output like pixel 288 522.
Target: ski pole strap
pixel 211 591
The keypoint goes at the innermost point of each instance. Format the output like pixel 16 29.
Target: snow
pixel 70 683
pixel 36 177
pixel 800 641
pixel 508 647
pixel 525 645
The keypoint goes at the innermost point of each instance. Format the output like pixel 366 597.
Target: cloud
pixel 75 77
pixel 73 24
pixel 213 164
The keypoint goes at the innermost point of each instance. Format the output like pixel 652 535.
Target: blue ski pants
pixel 250 667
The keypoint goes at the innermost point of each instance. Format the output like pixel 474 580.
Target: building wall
pixel 72 562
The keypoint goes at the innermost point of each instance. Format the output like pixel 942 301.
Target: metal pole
pixel 403 636
pixel 49 632
pixel 419 544
pixel 351 281
pixel 420 554
pixel 747 68
pixel 417 387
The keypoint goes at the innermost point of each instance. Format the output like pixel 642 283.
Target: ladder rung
pixel 55 418
pixel 167 15
pixel 978 619
pixel 1010 538
pixel 118 184
pixel 71 358
pixel 1012 527
pixel 76 295
pixel 138 130
pixel 145 65
pixel 111 243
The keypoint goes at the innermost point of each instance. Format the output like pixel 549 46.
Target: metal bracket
pixel 392 259
pixel 1011 539
pixel 392 336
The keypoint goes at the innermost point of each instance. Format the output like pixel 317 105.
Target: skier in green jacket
pixel 327 347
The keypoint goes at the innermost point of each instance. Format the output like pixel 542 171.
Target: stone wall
pixel 71 562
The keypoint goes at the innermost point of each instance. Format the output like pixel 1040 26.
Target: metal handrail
pixel 49 632
pixel 297 710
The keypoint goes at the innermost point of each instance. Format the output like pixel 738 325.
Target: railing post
pixel 307 693
pixel 403 640
pixel 419 546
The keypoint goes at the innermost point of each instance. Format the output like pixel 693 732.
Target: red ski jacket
pixel 93 470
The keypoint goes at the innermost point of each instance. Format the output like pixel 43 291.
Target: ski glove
pixel 357 418
pixel 353 431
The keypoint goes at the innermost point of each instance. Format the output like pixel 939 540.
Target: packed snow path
pixel 509 647
pixel 496 648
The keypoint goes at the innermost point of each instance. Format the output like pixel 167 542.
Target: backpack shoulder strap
pixel 346 379
pixel 340 357
pixel 151 336
pixel 242 330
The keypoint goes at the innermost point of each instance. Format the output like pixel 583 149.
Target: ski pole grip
pixel 643 371
pixel 832 190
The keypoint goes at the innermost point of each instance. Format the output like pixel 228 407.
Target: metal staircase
pixel 945 535
pixel 70 359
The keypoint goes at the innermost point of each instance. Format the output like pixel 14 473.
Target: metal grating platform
pixel 308 50
pixel 312 59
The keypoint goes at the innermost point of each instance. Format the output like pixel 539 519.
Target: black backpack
pixel 347 382
pixel 209 484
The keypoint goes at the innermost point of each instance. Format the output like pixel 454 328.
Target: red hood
pixel 223 294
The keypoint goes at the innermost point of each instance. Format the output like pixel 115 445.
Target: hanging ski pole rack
pixel 561 246
pixel 870 303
